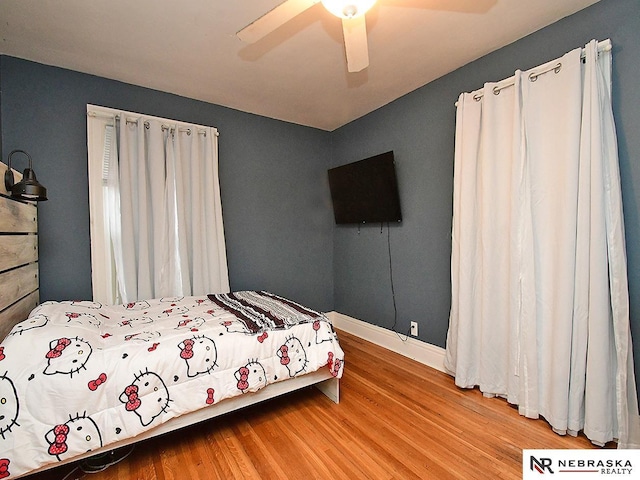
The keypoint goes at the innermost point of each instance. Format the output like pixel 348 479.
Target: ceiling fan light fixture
pixel 348 8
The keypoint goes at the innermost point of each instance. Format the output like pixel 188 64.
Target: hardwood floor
pixel 397 419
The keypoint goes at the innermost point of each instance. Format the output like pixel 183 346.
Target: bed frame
pixel 321 379
pixel 19 295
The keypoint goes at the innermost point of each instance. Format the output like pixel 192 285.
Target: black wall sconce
pixel 28 188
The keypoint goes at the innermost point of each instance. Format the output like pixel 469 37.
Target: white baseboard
pixel 418 350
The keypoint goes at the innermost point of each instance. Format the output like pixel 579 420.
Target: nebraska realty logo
pixel 579 464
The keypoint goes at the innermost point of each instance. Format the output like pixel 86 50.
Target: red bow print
pixel 2 357
pixel 59 445
pixel 332 365
pixel 56 351
pixel 316 325
pixel 94 384
pixel 336 367
pixel 134 402
pixel 73 315
pixel 187 353
pixel 263 337
pixel 210 393
pixel 244 375
pixel 4 467
pixel 284 355
pixel 153 347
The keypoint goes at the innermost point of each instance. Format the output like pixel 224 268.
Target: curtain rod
pixel 165 128
pixel 603 46
pixel 116 116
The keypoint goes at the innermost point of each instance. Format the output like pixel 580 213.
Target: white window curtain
pixel 156 214
pixel 540 303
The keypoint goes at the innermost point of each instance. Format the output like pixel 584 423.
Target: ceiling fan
pixel 354 28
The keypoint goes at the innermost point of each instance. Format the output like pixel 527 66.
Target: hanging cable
pixel 68 475
pixel 101 462
pixel 393 291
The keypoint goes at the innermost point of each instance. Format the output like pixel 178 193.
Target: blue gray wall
pixel 419 127
pixel 276 206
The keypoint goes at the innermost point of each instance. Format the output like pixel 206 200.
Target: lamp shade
pixel 28 188
pixel 348 8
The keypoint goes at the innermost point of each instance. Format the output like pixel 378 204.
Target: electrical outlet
pixel 414 329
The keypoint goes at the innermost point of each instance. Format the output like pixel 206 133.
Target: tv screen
pixel 365 191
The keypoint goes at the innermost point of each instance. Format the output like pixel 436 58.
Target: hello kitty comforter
pixel 76 376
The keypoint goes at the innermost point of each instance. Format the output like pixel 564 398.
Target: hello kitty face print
pixel 171 299
pixel 142 305
pixel 142 336
pixel 323 332
pixel 85 304
pixel 190 323
pixel 134 322
pixel 35 321
pixel 67 356
pixel 200 354
pixel 173 310
pixel 236 326
pixel 83 319
pixel 77 435
pixel 251 377
pixel 147 397
pixel 9 405
pixel 293 356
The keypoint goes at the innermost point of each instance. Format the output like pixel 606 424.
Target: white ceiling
pixel 297 74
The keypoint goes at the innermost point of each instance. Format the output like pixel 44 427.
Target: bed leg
pixel 331 388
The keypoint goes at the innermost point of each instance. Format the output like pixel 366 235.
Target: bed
pixel 78 378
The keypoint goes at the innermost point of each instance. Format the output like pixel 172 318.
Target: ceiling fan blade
pixel 354 31
pixel 274 19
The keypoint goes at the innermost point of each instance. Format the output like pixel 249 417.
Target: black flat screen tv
pixel 365 191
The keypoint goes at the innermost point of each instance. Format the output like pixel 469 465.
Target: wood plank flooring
pixel 397 419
